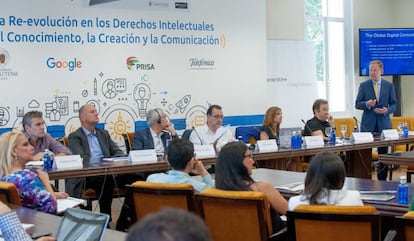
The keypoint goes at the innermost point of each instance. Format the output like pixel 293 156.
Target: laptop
pixel 82 225
pixel 285 134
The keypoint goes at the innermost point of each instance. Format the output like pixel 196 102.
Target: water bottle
pixel 298 140
pixel 332 138
pixel 405 132
pixel 47 161
pixel 402 191
pixel 293 140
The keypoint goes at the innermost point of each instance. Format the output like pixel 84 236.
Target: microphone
pixel 358 124
pixel 195 131
pixel 307 126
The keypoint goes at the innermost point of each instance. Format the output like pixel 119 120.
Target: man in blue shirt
pixel 180 156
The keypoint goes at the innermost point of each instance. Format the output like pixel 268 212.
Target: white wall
pixel 285 21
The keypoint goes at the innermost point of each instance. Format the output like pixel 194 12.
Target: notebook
pixel 82 225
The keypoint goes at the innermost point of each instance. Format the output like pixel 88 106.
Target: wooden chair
pixel 327 223
pixel 128 139
pixel 9 193
pixel 405 226
pixel 349 122
pixel 236 215
pixel 152 197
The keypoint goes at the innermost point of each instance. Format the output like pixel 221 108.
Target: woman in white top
pixel 324 182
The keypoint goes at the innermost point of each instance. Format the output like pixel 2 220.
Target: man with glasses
pixel 158 133
pixel 213 132
pixel 181 158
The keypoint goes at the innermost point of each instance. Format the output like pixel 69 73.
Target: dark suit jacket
pixel 78 144
pixel 387 98
pixel 143 139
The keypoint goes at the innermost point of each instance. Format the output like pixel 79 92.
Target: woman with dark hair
pixel 324 182
pixel 233 169
pixel 271 124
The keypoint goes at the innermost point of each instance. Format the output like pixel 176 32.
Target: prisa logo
pixel 71 65
pixel 133 61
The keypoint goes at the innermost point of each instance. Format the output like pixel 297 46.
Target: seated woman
pixel 324 182
pixel 233 169
pixel 271 124
pixel 34 186
pixel 270 129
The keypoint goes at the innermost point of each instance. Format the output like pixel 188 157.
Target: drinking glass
pixel 328 131
pixel 344 128
pixel 400 128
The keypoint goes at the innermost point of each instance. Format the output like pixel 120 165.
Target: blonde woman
pixel 34 186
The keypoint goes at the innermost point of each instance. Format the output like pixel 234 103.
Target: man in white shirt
pixel 213 132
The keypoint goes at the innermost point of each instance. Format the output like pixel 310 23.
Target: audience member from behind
pixel 34 130
pixel 170 225
pixel 155 136
pixel 324 182
pixel 213 132
pixel 34 186
pixel 271 124
pixel 322 119
pixel 11 228
pixel 233 172
pixel 180 156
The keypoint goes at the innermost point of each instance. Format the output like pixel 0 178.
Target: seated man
pixel 34 130
pixel 90 142
pixel 213 132
pixel 322 119
pixel 156 135
pixel 180 156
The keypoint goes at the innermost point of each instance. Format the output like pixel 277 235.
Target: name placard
pixel 68 162
pixel 266 145
pixel 390 134
pixel 204 151
pixel 313 141
pixel 362 137
pixel 142 156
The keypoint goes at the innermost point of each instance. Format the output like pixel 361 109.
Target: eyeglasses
pixel 248 155
pixel 217 117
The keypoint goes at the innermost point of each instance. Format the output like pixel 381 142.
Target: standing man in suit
pixel 155 136
pixel 376 97
pixel 90 142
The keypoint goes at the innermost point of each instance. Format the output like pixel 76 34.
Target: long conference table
pixel 358 158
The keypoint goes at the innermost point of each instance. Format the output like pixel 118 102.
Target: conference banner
pixel 128 56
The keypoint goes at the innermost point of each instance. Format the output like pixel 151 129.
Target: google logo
pixel 71 65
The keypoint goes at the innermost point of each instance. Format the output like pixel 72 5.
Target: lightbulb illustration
pixel 142 95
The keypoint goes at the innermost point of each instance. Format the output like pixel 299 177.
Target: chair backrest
pixel 128 139
pixel 9 193
pixel 65 140
pixel 250 134
pixel 349 122
pixel 152 197
pixel 186 134
pixel 394 125
pixel 323 223
pixel 235 215
pixel 405 226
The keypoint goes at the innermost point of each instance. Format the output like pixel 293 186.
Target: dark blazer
pixel 78 144
pixel 143 139
pixel 387 98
